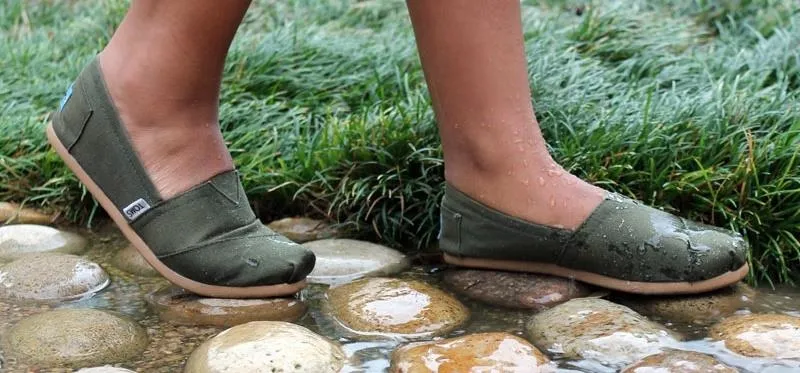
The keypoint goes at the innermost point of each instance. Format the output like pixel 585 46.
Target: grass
pixel 687 105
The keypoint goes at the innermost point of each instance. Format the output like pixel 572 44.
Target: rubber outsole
pixel 265 291
pixel 649 288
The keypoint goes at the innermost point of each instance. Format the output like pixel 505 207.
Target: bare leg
pixel 163 68
pixel 473 58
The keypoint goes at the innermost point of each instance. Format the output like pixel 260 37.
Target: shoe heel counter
pixel 450 231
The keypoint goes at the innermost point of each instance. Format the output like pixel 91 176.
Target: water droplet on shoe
pixel 251 262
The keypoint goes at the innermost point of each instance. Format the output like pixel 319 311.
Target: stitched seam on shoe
pixel 83 99
pixel 206 244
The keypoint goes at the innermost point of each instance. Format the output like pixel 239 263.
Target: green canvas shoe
pixel 206 240
pixel 623 245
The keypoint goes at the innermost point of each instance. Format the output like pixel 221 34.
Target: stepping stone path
pixel 676 361
pixel 303 229
pixel 597 330
pixel 51 277
pixel 75 338
pixel 472 353
pixel 105 369
pixel 760 335
pixel 392 307
pixel 17 241
pixel 178 306
pixel 10 213
pixel 698 309
pixel 342 260
pixel 266 346
pixel 514 290
pixel 129 260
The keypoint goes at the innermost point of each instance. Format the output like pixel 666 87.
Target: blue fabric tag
pixel 66 97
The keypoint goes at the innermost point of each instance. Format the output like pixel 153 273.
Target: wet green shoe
pixel 206 240
pixel 623 245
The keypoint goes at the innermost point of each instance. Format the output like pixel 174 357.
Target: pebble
pixel 180 307
pixel 105 369
pixel 129 260
pixel 343 260
pixel 395 307
pixel 303 229
pixel 51 277
pixel 482 352
pixel 17 241
pixel 677 361
pixel 11 213
pixel 597 330
pixel 75 338
pixel 266 346
pixel 702 309
pixel 760 335
pixel 514 290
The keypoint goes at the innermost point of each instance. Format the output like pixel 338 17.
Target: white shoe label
pixel 135 209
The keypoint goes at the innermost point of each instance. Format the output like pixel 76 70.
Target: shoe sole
pixel 650 288
pixel 199 288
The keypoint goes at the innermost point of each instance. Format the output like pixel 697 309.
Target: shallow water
pixel 171 344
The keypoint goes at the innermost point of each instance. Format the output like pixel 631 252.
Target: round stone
pixel 514 290
pixel 11 213
pixel 105 369
pixel 598 330
pixel 760 335
pixel 17 241
pixel 303 229
pixel 265 347
pixel 51 277
pixel 392 307
pixel 472 353
pixel 129 260
pixel 75 338
pixel 178 306
pixel 343 260
pixel 698 309
pixel 677 361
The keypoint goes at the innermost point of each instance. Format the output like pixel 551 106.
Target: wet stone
pixel 597 330
pixel 104 369
pixel 75 338
pixel 700 309
pixel 11 213
pixel 129 260
pixel 344 260
pixel 266 346
pixel 20 240
pixel 391 307
pixel 760 335
pixel 303 229
pixel 472 353
pixel 51 277
pixel 180 307
pixel 677 361
pixel 514 290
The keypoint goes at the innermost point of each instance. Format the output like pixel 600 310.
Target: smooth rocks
pixel 105 369
pixel 129 260
pixel 484 352
pixel 677 361
pixel 303 229
pixel 391 307
pixel 266 347
pixel 514 290
pixel 51 277
pixel 75 338
pixel 760 335
pixel 343 260
pixel 11 213
pixel 17 241
pixel 180 307
pixel 597 330
pixel 698 309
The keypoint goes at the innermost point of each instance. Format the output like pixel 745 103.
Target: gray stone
pixel 17 241
pixel 677 361
pixel 11 213
pixel 75 338
pixel 760 335
pixel 598 330
pixel 513 289
pixel 265 347
pixel 129 260
pixel 344 260
pixel 51 277
pixel 386 307
pixel 104 369
pixel 303 229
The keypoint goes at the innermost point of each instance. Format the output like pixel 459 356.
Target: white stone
pixel 344 260
pixel 20 240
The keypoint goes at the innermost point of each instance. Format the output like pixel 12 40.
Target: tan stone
pixel 760 335
pixel 105 369
pixel 20 240
pixel 303 229
pixel 677 361
pixel 51 277
pixel 11 213
pixel 129 260
pixel 698 309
